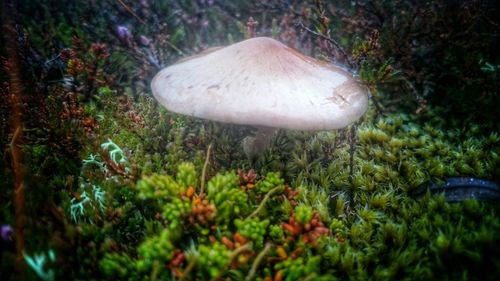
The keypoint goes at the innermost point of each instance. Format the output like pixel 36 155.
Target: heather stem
pixel 16 103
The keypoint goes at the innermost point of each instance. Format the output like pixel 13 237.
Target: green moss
pixel 390 236
pixel 322 207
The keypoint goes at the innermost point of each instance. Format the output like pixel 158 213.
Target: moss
pixel 319 206
pixel 390 237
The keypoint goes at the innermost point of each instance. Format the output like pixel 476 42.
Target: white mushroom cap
pixel 261 82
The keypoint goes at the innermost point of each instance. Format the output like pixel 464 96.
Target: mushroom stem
pixel 253 146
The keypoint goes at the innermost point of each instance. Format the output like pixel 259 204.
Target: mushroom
pixel 263 83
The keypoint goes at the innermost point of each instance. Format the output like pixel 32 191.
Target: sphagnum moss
pixel 389 235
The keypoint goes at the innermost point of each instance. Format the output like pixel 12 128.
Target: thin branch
pixel 352 148
pixel 234 254
pixel 329 39
pixel 264 201
pixel 257 261
pixel 130 11
pixel 16 88
pixel 204 171
pixel 188 269
pixel 239 250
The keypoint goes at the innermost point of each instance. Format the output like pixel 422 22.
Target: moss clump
pixel 389 238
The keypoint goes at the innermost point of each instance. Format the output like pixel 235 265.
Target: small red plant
pixel 247 180
pixel 309 231
pixel 175 264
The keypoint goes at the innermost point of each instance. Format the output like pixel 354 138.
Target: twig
pixel 329 39
pixel 239 250
pixel 188 269
pixel 233 255
pixel 263 203
pixel 376 103
pixel 130 11
pixel 352 142
pixel 155 270
pixel 257 261
pixel 17 109
pixel 204 171
pixel 179 51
